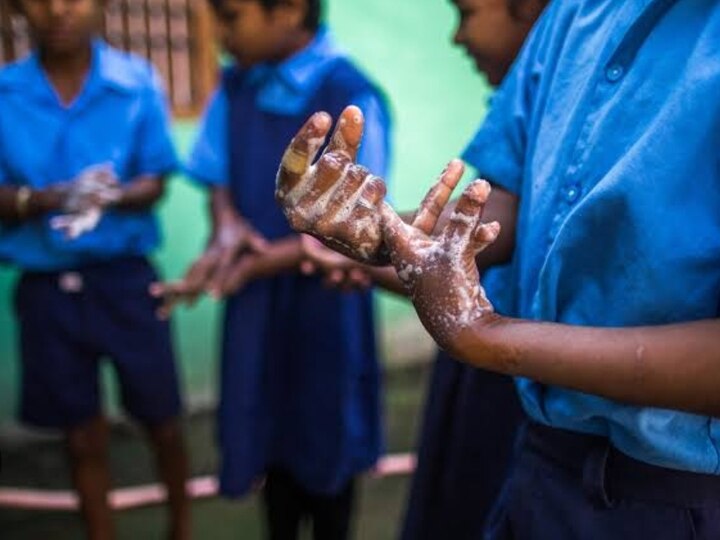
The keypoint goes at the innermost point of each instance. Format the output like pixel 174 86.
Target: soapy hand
pixel 439 270
pixel 341 204
pixel 86 198
pixel 334 200
pixel 214 269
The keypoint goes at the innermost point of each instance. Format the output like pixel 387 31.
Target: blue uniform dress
pixel 300 377
pixel 467 439
pixel 608 129
pixel 82 299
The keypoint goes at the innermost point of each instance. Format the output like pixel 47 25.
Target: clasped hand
pixel 85 198
pixel 220 270
pixel 342 204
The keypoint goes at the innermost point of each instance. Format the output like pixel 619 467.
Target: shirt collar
pixel 112 68
pixel 108 68
pixel 303 69
pixel 285 87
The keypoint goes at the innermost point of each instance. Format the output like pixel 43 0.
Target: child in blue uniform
pixel 300 409
pixel 73 115
pixel 610 155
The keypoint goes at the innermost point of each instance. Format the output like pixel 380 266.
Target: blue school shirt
pixel 608 128
pixel 119 118
pixel 299 385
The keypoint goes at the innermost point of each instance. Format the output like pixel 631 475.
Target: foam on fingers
pixel 434 202
pixel 348 132
pixel 468 211
pixel 301 152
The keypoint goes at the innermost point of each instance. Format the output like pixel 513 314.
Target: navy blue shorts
pixel 567 485
pixel 70 321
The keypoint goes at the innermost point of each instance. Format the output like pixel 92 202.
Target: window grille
pixel 175 35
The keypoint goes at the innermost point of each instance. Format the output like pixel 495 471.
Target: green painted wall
pixel 437 102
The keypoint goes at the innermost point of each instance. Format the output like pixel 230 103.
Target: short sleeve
pixel 156 152
pixel 5 123
pixel 207 162
pixel 4 176
pixel 499 147
pixel 374 152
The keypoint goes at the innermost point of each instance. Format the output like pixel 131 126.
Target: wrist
pixel 119 199
pixel 480 343
pixel 43 201
pixel 227 217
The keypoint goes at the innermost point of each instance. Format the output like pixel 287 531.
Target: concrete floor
pixel 41 464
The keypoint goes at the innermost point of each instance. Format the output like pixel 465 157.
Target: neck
pixel 67 64
pixel 67 71
pixel 296 42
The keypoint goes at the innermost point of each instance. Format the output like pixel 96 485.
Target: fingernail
pixel 483 188
pixel 321 120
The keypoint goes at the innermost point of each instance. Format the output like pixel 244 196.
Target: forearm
pixel 19 204
pixel 140 194
pixel 222 210
pixel 674 366
pixel 280 256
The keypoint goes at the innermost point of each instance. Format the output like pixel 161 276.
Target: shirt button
pixel 572 193
pixel 614 72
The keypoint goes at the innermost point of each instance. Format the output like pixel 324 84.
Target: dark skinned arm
pixel 40 202
pixel 279 256
pixel 671 366
pixel 138 195
pixel 141 193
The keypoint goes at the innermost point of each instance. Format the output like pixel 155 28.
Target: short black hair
pixel 312 18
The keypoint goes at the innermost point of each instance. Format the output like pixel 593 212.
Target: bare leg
pixel 172 466
pixel 87 447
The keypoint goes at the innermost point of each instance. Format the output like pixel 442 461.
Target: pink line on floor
pixel 133 497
